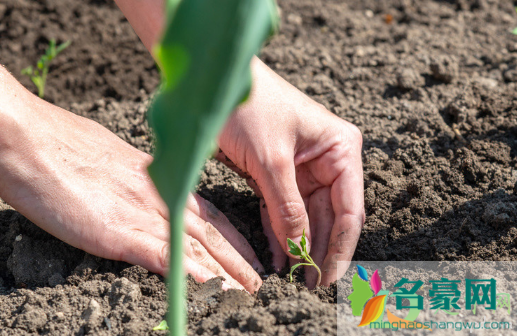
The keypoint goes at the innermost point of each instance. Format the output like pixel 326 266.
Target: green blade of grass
pixel 204 56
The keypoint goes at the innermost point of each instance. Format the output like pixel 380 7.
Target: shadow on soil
pixel 467 232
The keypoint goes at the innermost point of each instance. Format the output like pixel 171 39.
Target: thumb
pixel 285 204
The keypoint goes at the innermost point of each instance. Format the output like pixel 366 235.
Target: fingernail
pixel 257 266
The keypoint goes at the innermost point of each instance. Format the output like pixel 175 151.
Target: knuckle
pixel 146 159
pixel 321 107
pixel 196 251
pixel 362 220
pixel 354 136
pixel 211 211
pixel 278 162
pixel 141 161
pixel 275 158
pixel 213 237
pixel 164 257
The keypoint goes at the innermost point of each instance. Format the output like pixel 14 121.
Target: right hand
pixel 84 185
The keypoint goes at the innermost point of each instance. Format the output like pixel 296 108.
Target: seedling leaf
pixel 162 326
pixel 293 248
pixel 43 65
pixel 62 47
pixel 514 31
pixel 303 242
pixel 37 81
pixel 27 71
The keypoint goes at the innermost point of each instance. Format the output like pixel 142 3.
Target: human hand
pixel 84 185
pixel 305 165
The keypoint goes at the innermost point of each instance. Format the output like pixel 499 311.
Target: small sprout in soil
pixel 296 251
pixel 162 326
pixel 39 74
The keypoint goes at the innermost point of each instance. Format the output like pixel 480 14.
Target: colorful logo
pixel 369 299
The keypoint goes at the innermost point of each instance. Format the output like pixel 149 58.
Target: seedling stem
pixel 296 251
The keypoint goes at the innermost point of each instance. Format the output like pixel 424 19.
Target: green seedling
pixel 295 250
pixel 162 326
pixel 204 56
pixel 39 74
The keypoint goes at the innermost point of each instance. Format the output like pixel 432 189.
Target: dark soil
pixel 432 85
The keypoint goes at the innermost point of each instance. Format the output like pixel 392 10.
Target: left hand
pixel 86 186
pixel 305 165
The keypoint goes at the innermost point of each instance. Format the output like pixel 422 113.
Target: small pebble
pixel 60 316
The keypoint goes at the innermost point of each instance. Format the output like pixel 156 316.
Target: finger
pixel 348 204
pixel 155 225
pixel 343 241
pixel 152 198
pixel 140 248
pixel 142 195
pixel 209 213
pixel 279 256
pixel 152 223
pixel 201 273
pixel 197 252
pixel 221 157
pixel 341 168
pixel 307 182
pixel 222 251
pixel 293 261
pixel 321 217
pixel 253 185
pixel 285 204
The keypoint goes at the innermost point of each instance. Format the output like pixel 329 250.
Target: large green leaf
pixel 205 58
